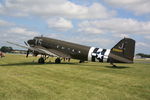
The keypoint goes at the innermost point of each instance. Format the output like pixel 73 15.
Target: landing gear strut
pixel 113 65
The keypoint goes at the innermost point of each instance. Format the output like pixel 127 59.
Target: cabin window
pixel 68 48
pixel 62 47
pixel 57 46
pixel 72 50
pixel 79 51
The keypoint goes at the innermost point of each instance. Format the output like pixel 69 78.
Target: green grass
pixel 23 79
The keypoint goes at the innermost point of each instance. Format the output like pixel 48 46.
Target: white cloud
pixel 5 23
pixel 142 44
pixel 91 30
pixel 142 47
pixel 117 26
pixel 100 42
pixel 147 37
pixel 48 8
pixel 99 11
pixel 137 6
pixel 21 31
pixel 16 34
pixel 60 24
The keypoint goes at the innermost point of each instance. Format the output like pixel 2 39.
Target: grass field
pixel 23 79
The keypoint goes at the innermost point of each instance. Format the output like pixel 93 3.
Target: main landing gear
pixel 58 60
pixel 42 59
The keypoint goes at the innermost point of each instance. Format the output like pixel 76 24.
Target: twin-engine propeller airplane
pixel 122 52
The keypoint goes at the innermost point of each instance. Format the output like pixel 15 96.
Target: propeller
pixel 28 51
pixel 26 43
pixel 27 54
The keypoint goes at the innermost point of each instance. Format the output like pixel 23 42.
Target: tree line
pixel 6 49
pixel 143 55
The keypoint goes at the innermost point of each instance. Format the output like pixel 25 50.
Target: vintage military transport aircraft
pixel 122 52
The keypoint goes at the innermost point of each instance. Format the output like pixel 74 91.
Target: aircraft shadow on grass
pixel 117 67
pixel 107 66
pixel 63 63
pixel 33 63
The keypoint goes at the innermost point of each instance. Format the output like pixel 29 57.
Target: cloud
pixel 142 44
pixel 17 34
pixel 5 23
pixel 90 30
pixel 21 31
pixel 147 37
pixel 60 24
pixel 51 8
pixel 117 26
pixel 139 7
pixel 92 41
pixel 142 47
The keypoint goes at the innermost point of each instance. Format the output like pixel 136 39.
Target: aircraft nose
pixel 31 42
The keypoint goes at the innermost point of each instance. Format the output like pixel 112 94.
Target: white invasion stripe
pixel 106 55
pixel 107 52
pixel 90 53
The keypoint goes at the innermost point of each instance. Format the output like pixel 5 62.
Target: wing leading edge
pixel 39 49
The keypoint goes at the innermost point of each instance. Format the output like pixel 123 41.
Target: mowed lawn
pixel 23 79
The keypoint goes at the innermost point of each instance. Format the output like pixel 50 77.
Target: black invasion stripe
pixel 102 53
pixel 95 50
pixel 93 57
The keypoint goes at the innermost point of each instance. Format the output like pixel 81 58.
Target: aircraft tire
pixel 41 60
pixel 58 61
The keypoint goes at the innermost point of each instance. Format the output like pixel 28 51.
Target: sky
pixel 98 23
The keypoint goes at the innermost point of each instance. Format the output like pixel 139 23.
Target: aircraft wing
pixel 59 53
pixel 42 50
pixel 26 47
pixel 38 49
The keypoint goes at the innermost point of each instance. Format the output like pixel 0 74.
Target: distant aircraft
pixel 2 54
pixel 122 52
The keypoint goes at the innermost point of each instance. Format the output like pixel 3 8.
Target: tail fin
pixel 123 51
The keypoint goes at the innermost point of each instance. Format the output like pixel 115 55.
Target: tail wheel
pixel 81 61
pixel 58 61
pixel 41 60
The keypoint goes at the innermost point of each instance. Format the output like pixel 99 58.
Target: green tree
pixel 6 49
pixel 143 55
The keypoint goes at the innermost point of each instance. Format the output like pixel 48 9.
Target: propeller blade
pixel 26 43
pixel 27 54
